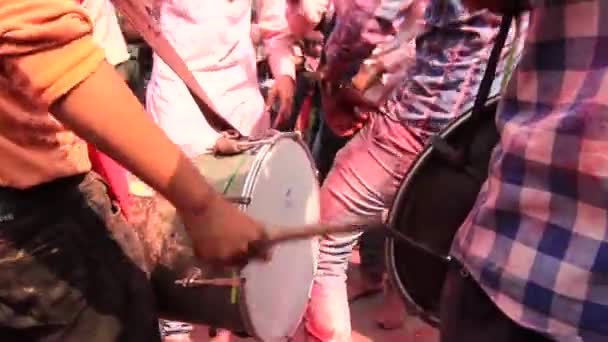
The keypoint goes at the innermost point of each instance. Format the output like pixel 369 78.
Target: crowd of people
pixel 84 102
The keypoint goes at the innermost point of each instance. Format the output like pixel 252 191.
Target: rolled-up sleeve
pixel 304 15
pixel 313 10
pixel 46 48
pixel 272 23
pixel 361 27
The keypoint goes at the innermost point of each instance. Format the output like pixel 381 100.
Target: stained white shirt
pixel 213 38
pixel 106 30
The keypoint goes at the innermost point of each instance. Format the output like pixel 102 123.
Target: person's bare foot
pixel 222 336
pixel 202 333
pixel 178 338
pixel 392 313
pixel 359 286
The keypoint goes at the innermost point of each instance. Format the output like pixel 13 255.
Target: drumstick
pixel 276 235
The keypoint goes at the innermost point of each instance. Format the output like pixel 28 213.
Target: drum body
pixel 432 202
pixel 274 182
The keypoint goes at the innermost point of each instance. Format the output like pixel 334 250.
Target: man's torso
pixel 537 238
pixel 449 64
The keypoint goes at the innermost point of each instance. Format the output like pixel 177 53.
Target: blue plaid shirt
pixel 537 238
pixel 449 63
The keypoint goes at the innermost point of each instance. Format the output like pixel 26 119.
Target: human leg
pixel 373 278
pixel 367 279
pixel 325 147
pixel 361 185
pixel 371 252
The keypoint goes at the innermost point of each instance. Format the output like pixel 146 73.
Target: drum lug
pixel 195 278
pixel 239 200
pixel 189 282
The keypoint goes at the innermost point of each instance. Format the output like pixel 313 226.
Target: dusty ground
pixel 364 327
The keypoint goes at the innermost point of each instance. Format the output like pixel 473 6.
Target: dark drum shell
pixel 432 202
pixel 170 257
pixel 274 182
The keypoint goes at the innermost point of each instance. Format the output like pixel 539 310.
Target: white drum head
pixel 285 192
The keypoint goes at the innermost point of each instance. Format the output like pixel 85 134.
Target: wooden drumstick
pixel 275 235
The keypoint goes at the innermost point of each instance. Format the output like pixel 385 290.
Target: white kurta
pixel 106 31
pixel 213 37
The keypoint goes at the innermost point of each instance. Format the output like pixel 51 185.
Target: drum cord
pixel 399 236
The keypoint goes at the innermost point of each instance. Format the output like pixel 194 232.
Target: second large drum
pixel 432 202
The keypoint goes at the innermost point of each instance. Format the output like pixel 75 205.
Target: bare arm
pixel 359 29
pixel 274 31
pixel 48 56
pixel 304 15
pixel 54 61
pixel 118 126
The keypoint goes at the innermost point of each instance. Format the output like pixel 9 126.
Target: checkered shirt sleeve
pixel 537 239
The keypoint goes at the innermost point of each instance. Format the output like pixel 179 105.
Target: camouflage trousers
pixel 71 268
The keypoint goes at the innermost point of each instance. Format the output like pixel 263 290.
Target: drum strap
pixel 458 157
pixel 140 15
pixel 488 78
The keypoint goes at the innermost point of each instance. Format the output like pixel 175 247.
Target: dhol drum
pixel 274 182
pixel 434 199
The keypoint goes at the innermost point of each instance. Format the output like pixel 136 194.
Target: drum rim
pixel 248 188
pixel 256 165
pixel 389 254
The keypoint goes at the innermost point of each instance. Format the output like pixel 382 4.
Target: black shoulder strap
pixel 458 157
pixel 490 74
